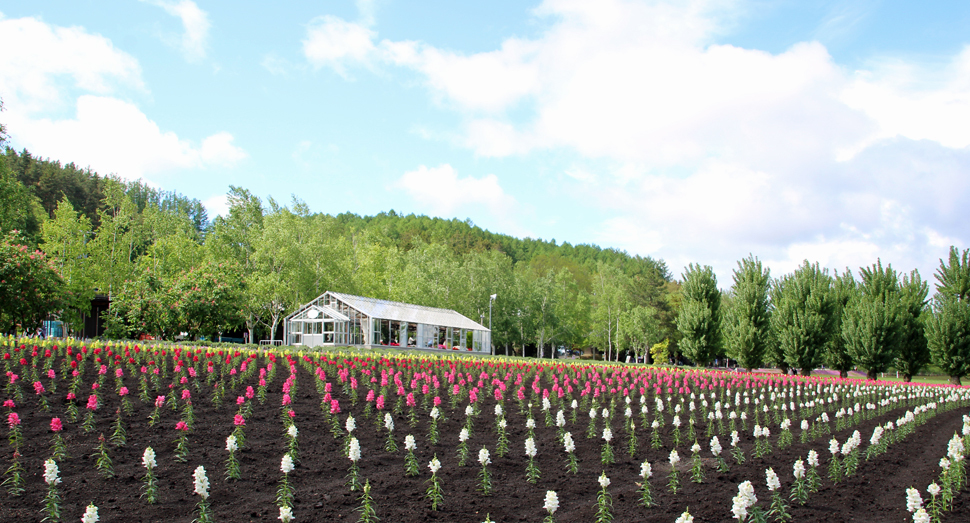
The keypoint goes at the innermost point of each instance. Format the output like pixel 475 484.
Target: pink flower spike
pixel 181 426
pixel 92 402
pixel 159 401
pixel 71 396
pixel 239 420
pixel 13 419
pixel 240 400
pixel 51 374
pixel 9 404
pixel 56 425
pixel 123 391
pixel 119 373
pixel 250 392
pixel 186 395
pixel 291 414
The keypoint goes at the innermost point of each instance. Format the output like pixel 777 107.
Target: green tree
pixel 804 316
pixel 20 210
pixel 699 321
pixel 837 355
pixel 639 329
pixel 914 353
pixel 609 303
pixel 66 243
pixel 30 287
pixel 747 322
pixel 948 325
pixel 872 323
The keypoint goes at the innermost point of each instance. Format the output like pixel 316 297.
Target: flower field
pixel 133 432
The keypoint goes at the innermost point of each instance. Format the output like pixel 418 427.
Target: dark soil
pixel 875 494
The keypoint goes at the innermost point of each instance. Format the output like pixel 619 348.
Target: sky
pixel 696 131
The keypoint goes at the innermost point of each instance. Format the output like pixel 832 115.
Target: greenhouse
pixel 335 319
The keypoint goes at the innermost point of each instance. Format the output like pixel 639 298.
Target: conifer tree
pixel 747 327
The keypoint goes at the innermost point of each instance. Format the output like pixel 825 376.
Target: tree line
pixel 882 320
pixel 169 270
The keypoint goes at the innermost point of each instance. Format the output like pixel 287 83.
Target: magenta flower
pixel 186 395
pixel 9 404
pixel 71 396
pixel 250 392
pixel 13 419
pixel 119 372
pixel 240 400
pixel 123 391
pixel 286 399
pixel 51 374
pixel 239 420
pixel 181 426
pixel 159 402
pixel 92 402
pixel 56 425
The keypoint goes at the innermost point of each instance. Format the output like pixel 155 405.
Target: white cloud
pixel 49 60
pixel 702 151
pixel 441 192
pixel 332 41
pixel 61 70
pixel 114 136
pixel 217 205
pixel 195 24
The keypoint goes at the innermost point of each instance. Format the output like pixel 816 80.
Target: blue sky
pixel 693 131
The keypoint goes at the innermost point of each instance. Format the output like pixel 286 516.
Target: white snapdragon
pixel 286 464
pixel 286 514
pixel 546 404
pixel 568 443
pixel 603 480
pixel 921 516
pixel 434 413
pixel 148 458
pixel 560 419
pixel 90 514
pixel 388 422
pixel 646 470
pixel 674 458
pixel 409 443
pixel 695 448
pixel 834 447
pixel 51 472
pixel 813 458
pixel 434 465
pixel 292 431
pixel 799 469
pixel 353 452
pixel 530 447
pixel 715 447
pixel 351 424
pixel 607 434
pixel 498 410
pixel 685 518
pixel 463 435
pixel 914 501
pixel 735 439
pixel 530 423
pixel 483 457
pixel 552 502
pixel 201 482
pixel 743 501
pixel 772 479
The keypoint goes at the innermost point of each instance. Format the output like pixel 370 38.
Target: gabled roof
pixel 397 311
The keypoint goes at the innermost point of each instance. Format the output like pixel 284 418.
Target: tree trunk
pixel 805 371
pixel 872 375
pixel 907 377
pixel 843 374
pixel 955 380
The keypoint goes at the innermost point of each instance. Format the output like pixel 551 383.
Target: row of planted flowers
pixel 686 406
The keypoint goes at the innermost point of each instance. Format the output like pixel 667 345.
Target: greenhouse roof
pixel 397 311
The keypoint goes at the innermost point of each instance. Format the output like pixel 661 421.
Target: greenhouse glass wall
pixel 342 319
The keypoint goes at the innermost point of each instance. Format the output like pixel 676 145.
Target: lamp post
pixel 491 346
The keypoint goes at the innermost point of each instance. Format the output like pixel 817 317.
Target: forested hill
pixel 463 237
pixel 159 257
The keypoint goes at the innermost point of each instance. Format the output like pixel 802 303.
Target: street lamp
pixel 491 346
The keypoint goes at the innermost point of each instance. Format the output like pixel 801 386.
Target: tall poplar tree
pixel 804 316
pixel 699 321
pixel 948 326
pixel 872 323
pixel 837 355
pixel 914 353
pixel 747 322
